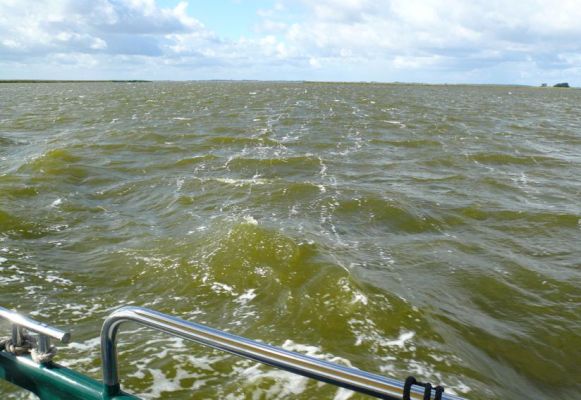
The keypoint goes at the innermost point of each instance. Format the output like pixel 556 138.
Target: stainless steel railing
pixel 44 331
pixel 350 378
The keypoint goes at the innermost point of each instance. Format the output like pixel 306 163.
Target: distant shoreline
pixel 69 81
pixel 275 81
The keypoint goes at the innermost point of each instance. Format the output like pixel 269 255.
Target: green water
pixel 425 230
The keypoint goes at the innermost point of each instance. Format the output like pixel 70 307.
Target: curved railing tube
pixel 350 378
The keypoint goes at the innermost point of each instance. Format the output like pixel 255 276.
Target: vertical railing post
pixel 43 344
pixel 17 335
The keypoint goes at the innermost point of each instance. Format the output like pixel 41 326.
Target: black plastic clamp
pixel 410 381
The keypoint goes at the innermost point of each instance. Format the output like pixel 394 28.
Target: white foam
pixel 162 384
pixel 248 219
pixel 425 370
pixel 80 311
pixel 56 203
pixel 262 271
pixel 246 297
pixel 69 363
pixel 30 290
pixel 401 340
pixel 393 122
pixel 314 351
pixel 286 384
pixel 323 171
pixel 10 279
pixel 36 313
pixel 3 260
pixel 87 345
pixel 359 298
pixel 57 279
pixel 388 369
pixel 460 386
pixel 222 288
pixel 228 180
pixel 180 183
pixel 343 394
pixel 241 182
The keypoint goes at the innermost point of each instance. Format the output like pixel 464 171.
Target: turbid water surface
pixel 401 229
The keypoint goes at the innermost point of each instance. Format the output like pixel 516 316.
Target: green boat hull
pixel 53 381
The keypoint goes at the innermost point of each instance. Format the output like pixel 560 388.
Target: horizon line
pixel 270 80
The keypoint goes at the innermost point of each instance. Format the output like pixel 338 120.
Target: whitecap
pixel 248 219
pixel 401 340
pixel 246 297
pixel 222 288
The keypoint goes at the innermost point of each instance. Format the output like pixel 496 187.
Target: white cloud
pixel 103 35
pixel 131 26
pixel 440 35
pixel 433 40
pixel 313 62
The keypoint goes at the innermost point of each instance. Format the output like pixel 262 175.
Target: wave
pixel 57 163
pixel 195 160
pixel 19 227
pixel 6 141
pixel 243 141
pixel 231 130
pixel 410 143
pixel 382 214
pixel 276 166
pixel 513 159
pixel 536 218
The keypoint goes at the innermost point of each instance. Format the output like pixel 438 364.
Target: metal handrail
pixel 350 378
pixel 35 326
pixel 45 332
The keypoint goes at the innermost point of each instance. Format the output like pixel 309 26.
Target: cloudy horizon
pixel 433 41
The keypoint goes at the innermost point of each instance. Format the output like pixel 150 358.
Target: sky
pixel 433 41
